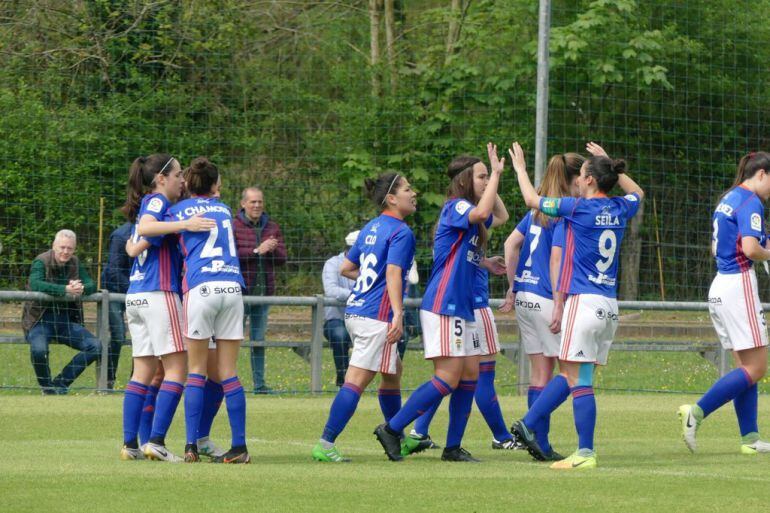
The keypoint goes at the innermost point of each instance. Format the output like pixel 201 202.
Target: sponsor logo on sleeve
pixel 756 222
pixel 549 203
pixel 462 207
pixel 155 205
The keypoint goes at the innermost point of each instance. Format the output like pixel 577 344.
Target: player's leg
pixel 213 395
pixel 235 401
pixel 580 378
pixel 148 409
pixel 460 405
pixel 542 368
pixel 746 402
pixel 133 402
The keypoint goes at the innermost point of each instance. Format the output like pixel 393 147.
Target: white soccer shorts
pixel 587 328
pixel 444 335
pixel 214 309
pixel 371 350
pixel 486 329
pixel 736 311
pixel 154 323
pixel 533 314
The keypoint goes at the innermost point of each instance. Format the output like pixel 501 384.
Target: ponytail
pixel 749 165
pixel 141 180
pixel 559 173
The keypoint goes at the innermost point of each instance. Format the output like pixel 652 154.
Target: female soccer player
pixel 379 261
pixel 594 227
pixel 153 308
pixel 737 242
pixel 446 314
pixel 532 259
pixel 213 306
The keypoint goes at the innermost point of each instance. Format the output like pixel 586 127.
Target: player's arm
pixel 481 212
pixel 149 226
pixel 499 212
pixel 558 297
pixel 528 192
pixel 134 249
pixel 395 284
pixel 512 250
pixel 754 250
pixel 348 269
pixel 624 181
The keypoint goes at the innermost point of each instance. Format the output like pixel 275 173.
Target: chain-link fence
pixel 306 99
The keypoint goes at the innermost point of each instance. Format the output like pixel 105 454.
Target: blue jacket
pixel 118 268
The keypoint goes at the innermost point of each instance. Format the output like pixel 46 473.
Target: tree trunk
pixel 455 21
pixel 390 36
pixel 629 267
pixel 374 25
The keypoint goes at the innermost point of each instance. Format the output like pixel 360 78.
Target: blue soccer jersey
pixel 455 260
pixel 384 240
pixel 739 214
pixel 594 229
pixel 533 272
pixel 481 288
pixel 208 256
pixel 157 267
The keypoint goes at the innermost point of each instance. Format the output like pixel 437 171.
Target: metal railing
pixel 318 302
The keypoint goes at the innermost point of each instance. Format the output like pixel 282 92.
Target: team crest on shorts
pixel 600 314
pixel 205 290
pixel 458 343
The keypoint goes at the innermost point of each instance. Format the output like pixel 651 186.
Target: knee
pixel 94 347
pixel 756 370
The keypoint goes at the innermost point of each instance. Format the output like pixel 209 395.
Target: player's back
pixel 383 240
pixel 209 256
pixel 594 230
pixel 533 272
pixel 739 213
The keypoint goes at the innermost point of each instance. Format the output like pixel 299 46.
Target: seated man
pixel 338 287
pixel 58 272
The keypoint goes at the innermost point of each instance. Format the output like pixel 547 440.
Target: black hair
pixel 201 176
pixel 605 171
pixel 378 188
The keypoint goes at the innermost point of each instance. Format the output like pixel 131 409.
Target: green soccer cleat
pixel 576 461
pixel 414 444
pixel 755 447
pixel 209 449
pixel 328 455
pixel 690 425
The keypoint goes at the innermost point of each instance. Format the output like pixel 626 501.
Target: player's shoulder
pixel 458 205
pixel 155 203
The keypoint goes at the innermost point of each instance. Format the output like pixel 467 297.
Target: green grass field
pixel 61 454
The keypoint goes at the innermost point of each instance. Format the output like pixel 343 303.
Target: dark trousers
pixel 58 326
pixel 339 340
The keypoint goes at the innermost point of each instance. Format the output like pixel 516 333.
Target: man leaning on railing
pixel 58 273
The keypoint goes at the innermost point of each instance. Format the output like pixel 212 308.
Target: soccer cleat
pixel 433 445
pixel 390 442
pixel 458 454
pixel 209 449
pixel 508 445
pixel 414 444
pixel 525 437
pixel 234 455
pixel 191 453
pixel 689 426
pixel 756 447
pixel 131 453
pixel 328 455
pixel 553 456
pixel 576 462
pixel 159 452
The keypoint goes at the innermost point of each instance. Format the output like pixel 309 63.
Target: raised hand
pixel 495 164
pixel 517 158
pixel 596 150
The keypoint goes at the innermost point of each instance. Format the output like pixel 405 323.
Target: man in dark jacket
pixel 260 250
pixel 115 279
pixel 58 273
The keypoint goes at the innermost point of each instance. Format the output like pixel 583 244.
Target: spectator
pixel 58 272
pixel 115 279
pixel 338 287
pixel 260 250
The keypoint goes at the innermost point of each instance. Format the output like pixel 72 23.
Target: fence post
pixel 723 360
pixel 541 102
pixel 103 330
pixel 316 345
